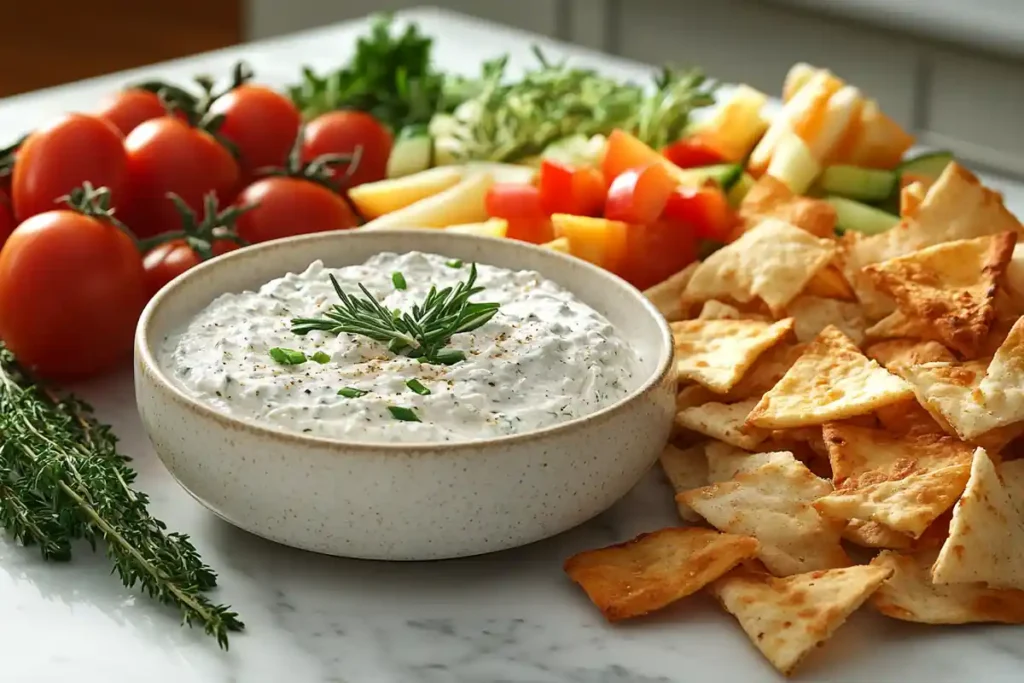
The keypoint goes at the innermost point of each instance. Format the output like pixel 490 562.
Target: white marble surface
pixel 511 617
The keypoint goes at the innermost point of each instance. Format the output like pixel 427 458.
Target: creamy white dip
pixel 544 358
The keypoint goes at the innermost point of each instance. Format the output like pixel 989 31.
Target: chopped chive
pixel 321 357
pixel 415 385
pixel 287 356
pixel 351 392
pixel 449 357
pixel 454 263
pixel 403 414
pixel 398 279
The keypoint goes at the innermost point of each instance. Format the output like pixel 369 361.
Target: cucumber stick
pixel 862 184
pixel 851 215
pixel 725 175
pixel 413 152
pixel 929 165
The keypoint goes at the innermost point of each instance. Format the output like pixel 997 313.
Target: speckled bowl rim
pixel 147 357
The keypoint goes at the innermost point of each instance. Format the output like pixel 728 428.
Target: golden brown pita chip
pixel 772 261
pixel 724 422
pixel 896 352
pixel 771 198
pixel 686 469
pixel 832 380
pixel 830 283
pixel 902 482
pixel 716 310
pixel 911 197
pixel 1013 280
pixel 875 535
pixel 693 395
pixel 910 595
pixel 897 325
pixel 654 570
pixel 812 314
pixel 770 367
pixel 789 618
pixel 717 353
pixel 773 504
pixel 986 536
pixel 725 462
pixel 908 417
pixel 949 287
pixel 667 296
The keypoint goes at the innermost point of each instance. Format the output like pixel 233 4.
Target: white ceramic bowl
pixel 402 501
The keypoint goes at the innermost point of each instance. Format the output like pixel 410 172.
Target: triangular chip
pixel 716 310
pixel 910 595
pixel 725 422
pixel 1013 280
pixel 766 372
pixel 874 535
pixel 724 462
pixel 830 283
pixel 897 325
pixel 772 261
pixel 898 352
pixel 717 353
pixel 773 504
pixel 832 380
pixel 902 482
pixel 908 417
pixel 772 198
pixel 686 469
pixel 667 296
pixel 986 536
pixel 656 569
pixel 949 287
pixel 812 314
pixel 789 618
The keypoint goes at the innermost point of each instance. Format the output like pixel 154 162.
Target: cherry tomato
pixel 128 108
pixel 692 153
pixel 655 251
pixel 522 207
pixel 71 291
pixel 261 123
pixel 167 155
pixel 61 156
pixel 170 259
pixel 7 223
pixel 577 191
pixel 291 206
pixel 639 194
pixel 340 132
pixel 704 209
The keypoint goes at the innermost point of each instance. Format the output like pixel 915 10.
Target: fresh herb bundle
pixel 62 479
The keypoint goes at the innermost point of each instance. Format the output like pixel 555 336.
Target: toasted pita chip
pixel 1013 280
pixel 772 261
pixel 956 207
pixel 897 325
pixel 986 536
pixel 896 352
pixel 812 314
pixel 770 367
pixel 874 535
pixel 908 417
pixel 771 198
pixel 903 482
pixel 725 422
pixel 725 462
pixel 716 310
pixel 789 618
pixel 949 287
pixel 716 353
pixel 832 380
pixel 694 395
pixel 654 570
pixel 667 296
pixel 773 504
pixel 686 469
pixel 910 595
pixel 911 197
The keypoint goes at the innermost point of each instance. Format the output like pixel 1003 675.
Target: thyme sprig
pixel 421 333
pixel 62 479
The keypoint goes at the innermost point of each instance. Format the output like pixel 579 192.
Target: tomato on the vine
pixel 129 108
pixel 57 158
pixel 71 290
pixel 342 132
pixel 169 156
pixel 261 123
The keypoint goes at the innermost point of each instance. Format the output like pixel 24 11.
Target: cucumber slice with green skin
pixel 851 215
pixel 725 175
pixel 413 152
pixel 928 165
pixel 861 184
pixel 740 189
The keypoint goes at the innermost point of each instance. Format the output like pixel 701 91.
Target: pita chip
pixel 830 283
pixel 787 619
pixel 832 380
pixel 911 197
pixel 910 595
pixel 717 353
pixel 903 482
pixel 654 570
pixel 693 395
pixel 897 325
pixel 773 503
pixel 986 536
pixel 898 352
pixel 716 310
pixel 771 198
pixel 874 535
pixel 1013 280
pixel 685 469
pixel 773 261
pixel 725 462
pixel 908 417
pixel 667 296
pixel 724 422
pixel 770 367
pixel 949 287
pixel 812 314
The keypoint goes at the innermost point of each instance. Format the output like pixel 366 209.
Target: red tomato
pixel 71 291
pixel 341 132
pixel 61 156
pixel 639 195
pixel 7 223
pixel 655 251
pixel 128 108
pixel 692 153
pixel 261 123
pixel 291 206
pixel 522 207
pixel 625 151
pixel 167 155
pixel 576 191
pixel 705 210
pixel 170 259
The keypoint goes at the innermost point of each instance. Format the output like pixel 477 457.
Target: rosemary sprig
pixel 421 333
pixel 62 479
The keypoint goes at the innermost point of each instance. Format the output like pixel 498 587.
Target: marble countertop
pixel 508 617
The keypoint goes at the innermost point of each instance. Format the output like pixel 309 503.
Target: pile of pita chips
pixel 830 411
